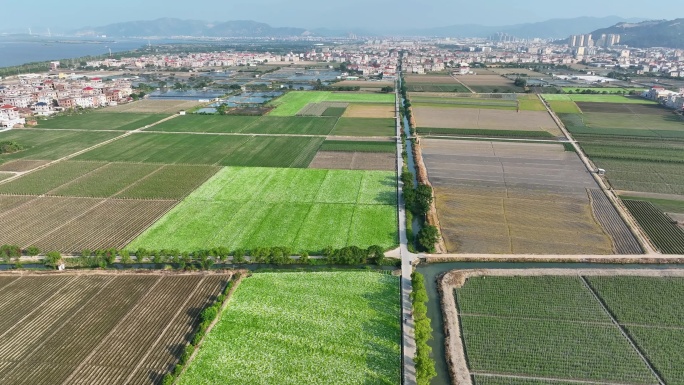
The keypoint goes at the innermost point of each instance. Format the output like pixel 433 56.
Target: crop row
pixel 666 235
pixel 123 324
pixel 623 239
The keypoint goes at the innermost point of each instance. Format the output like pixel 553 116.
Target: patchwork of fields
pixel 640 145
pixel 99 329
pixel 343 328
pixel 544 329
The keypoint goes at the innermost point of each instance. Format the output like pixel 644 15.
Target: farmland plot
pixel 495 198
pixel 74 224
pixel 666 235
pixel 544 327
pixel 293 102
pixel 102 121
pixel 149 106
pixel 51 145
pixel 364 127
pixel 443 117
pixel 352 332
pixel 336 160
pixel 132 327
pixel 306 210
pixel 270 151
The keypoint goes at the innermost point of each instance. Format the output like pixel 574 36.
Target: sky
pixel 74 14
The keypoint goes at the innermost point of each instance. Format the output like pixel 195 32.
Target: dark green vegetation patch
pixel 666 235
pixel 102 121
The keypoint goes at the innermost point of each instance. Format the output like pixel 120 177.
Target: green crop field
pixel 305 328
pixel 51 145
pixel 356 146
pixel 267 151
pixel 665 205
pixel 667 236
pixel 334 111
pixel 564 107
pixel 364 127
pixel 549 297
pixel 47 179
pixel 5 175
pixel 292 102
pixel 623 125
pixel 249 124
pixel 496 89
pixel 304 209
pixel 102 121
pixel 206 123
pixel 170 182
pixel 105 181
pixel 646 176
pixel 552 327
pixel 653 319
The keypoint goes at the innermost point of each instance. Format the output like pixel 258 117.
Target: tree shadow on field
pixel 383 363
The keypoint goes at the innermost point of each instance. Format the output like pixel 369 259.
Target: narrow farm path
pixel 626 216
pixel 463 84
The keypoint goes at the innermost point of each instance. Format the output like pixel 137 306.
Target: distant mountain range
pixel 167 27
pixel 550 29
pixel 659 33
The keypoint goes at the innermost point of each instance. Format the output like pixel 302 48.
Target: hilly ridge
pixel 658 33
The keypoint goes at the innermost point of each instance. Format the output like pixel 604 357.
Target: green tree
pixel 53 258
pixel 32 251
pixel 427 237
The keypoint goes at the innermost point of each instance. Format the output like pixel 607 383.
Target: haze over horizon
pixel 310 14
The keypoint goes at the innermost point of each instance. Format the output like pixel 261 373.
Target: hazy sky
pixel 74 14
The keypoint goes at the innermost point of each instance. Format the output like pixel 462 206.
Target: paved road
pixel 407 259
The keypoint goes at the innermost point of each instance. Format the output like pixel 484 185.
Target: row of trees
pixel 425 365
pixel 203 259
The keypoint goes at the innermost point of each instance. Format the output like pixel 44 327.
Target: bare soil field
pixel 153 106
pixel 73 224
pixel 444 117
pixel 369 111
pixel 513 198
pixel 99 328
pixel 318 109
pixel 354 161
pixel 618 108
pixel 22 165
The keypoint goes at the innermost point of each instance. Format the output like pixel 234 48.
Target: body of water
pixel 14 53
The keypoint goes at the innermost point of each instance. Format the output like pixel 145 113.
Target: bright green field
pixel 564 107
pixel 249 124
pixel 597 98
pixel 51 145
pixel 304 209
pixel 264 151
pixel 364 127
pixel 305 328
pixel 102 121
pixel 292 102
